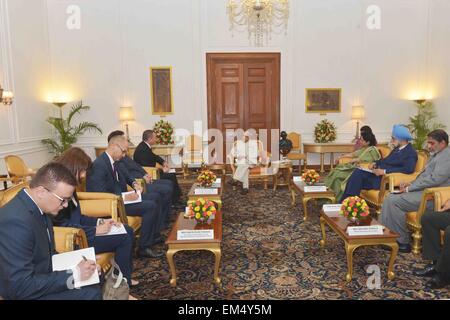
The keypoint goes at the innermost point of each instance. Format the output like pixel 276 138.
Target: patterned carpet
pixel 269 252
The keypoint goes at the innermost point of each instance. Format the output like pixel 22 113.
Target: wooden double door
pixel 243 93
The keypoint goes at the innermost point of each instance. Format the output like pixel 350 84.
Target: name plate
pixel 332 207
pixel 204 191
pixel 172 171
pixel 365 230
pixel 297 179
pixel 195 235
pixel 315 189
pixel 194 165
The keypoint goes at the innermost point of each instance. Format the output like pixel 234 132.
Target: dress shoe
pixel 404 247
pixel 233 182
pixel 437 282
pixel 428 271
pixel 149 253
pixel 158 240
pixel 244 191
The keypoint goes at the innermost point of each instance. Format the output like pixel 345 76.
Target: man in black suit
pixel 27 242
pixel 134 171
pixel 439 269
pixel 144 156
pixel 106 175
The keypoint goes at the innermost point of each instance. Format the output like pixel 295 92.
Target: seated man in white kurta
pixel 245 153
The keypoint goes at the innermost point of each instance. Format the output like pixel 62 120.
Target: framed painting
pixel 161 90
pixel 323 100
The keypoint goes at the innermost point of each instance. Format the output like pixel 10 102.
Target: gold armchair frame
pixel 18 171
pixel 391 181
pixel 414 219
pixel 296 152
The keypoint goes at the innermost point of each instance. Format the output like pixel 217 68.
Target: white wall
pixel 106 63
pixel 24 69
pixel 438 76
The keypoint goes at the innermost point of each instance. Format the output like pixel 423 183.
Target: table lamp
pixel 127 115
pixel 358 114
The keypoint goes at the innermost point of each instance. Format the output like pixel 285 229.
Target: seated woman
pixel 359 143
pixel 337 179
pixel 78 162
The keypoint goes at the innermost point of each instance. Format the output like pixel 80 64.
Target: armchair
pixel 390 181
pixel 18 171
pixel 192 153
pixel 296 152
pixel 262 170
pixel 413 219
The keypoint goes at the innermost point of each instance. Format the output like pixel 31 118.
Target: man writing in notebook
pixel 27 242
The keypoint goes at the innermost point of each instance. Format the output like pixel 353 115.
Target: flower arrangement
pixel 202 210
pixel 164 132
pixel 354 209
pixel 206 178
pixel 325 131
pixel 310 177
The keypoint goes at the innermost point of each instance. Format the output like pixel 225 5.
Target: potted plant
pixel 164 132
pixel 310 177
pixel 66 132
pixel 355 209
pixel 202 210
pixel 325 131
pixel 423 123
pixel 206 178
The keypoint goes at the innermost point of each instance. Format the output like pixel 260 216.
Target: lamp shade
pixel 358 113
pixel 126 114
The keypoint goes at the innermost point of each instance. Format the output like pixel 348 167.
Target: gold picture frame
pixel 323 100
pixel 161 90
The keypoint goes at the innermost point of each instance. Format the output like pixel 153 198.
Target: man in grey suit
pixel 435 174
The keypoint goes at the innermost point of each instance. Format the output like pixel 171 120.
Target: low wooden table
pixel 284 172
pixel 213 197
pixel 307 196
pixel 213 245
pixel 339 225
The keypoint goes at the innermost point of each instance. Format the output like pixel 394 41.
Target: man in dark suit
pixel 402 159
pixel 133 171
pixel 27 242
pixel 439 269
pixel 106 175
pixel 145 156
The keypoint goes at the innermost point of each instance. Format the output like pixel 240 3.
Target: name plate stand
pixel 195 234
pixel 365 230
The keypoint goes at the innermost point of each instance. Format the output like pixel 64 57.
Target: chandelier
pixel 260 16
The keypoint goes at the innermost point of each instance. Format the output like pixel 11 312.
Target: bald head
pixel 117 147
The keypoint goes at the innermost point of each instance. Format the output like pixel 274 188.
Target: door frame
pixel 243 57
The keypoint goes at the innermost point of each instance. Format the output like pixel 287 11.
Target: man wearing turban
pixel 402 159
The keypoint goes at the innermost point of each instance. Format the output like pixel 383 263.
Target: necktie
pixel 115 171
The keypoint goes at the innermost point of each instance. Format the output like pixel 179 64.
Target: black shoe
pixel 437 282
pixel 149 253
pixel 233 182
pixel 158 240
pixel 404 247
pixel 428 271
pixel 244 191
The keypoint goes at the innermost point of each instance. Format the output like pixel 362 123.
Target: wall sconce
pixel 6 97
pixel 358 113
pixel 126 115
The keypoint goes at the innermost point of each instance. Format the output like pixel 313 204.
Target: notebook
pixel 69 261
pixel 131 192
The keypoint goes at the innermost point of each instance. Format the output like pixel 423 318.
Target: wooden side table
pixel 307 196
pixel 213 245
pixel 323 148
pixel 339 225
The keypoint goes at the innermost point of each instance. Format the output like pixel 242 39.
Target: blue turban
pixel 401 132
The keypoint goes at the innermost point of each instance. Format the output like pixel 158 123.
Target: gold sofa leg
pixel 417 241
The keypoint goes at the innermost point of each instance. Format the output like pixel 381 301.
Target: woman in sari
pixel 337 179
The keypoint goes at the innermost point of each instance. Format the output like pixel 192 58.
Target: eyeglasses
pixel 124 151
pixel 63 200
